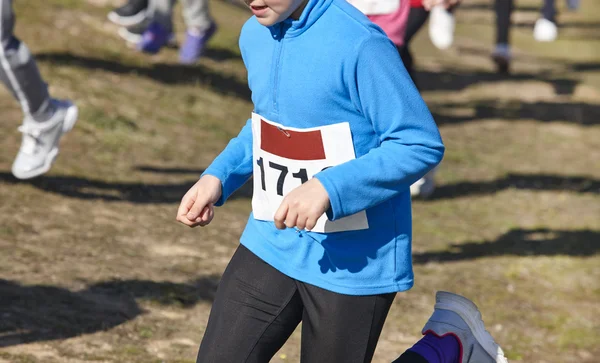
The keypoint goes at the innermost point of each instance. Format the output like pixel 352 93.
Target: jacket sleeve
pixel 409 141
pixel 233 167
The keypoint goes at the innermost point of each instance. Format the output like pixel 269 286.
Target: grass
pixel 95 269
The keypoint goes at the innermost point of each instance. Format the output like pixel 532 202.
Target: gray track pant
pixel 18 70
pixel 195 13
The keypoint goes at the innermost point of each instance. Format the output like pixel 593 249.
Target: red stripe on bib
pixel 296 145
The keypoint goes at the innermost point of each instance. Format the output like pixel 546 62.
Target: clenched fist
pixel 197 205
pixel 303 206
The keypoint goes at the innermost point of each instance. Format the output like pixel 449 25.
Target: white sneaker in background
pixel 441 27
pixel 40 141
pixel 424 187
pixel 133 12
pixel 129 36
pixel 545 30
pixel 133 37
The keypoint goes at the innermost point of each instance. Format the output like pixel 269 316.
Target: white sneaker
pixel 459 316
pixel 40 142
pixel 134 12
pixel 127 21
pixel 134 38
pixel 129 36
pixel 424 187
pixel 441 27
pixel 545 30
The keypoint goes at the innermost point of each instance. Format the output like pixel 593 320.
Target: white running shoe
pixel 424 187
pixel 129 36
pixel 134 38
pixel 40 142
pixel 441 27
pixel 545 30
pixel 459 316
pixel 134 12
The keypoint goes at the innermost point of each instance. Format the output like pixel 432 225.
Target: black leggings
pixel 504 9
pixel 410 357
pixel 416 19
pixel 257 308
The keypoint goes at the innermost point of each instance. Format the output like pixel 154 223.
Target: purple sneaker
pixel 154 38
pixel 194 44
pixel 573 4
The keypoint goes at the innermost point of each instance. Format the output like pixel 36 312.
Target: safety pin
pixel 284 131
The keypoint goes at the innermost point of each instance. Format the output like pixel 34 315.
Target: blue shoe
pixel 502 57
pixel 573 4
pixel 154 38
pixel 458 316
pixel 194 45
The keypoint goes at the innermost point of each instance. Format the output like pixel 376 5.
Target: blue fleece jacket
pixel 331 66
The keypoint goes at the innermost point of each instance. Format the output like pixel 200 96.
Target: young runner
pixel 46 119
pixel 149 24
pixel 338 134
pixel 545 29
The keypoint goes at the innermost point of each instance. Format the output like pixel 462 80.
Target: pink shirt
pixel 394 24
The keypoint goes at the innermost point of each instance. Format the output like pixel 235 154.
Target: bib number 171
pixel 283 170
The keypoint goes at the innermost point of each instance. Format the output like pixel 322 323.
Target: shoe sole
pixel 469 312
pixel 128 36
pixel 133 39
pixel 127 21
pixel 70 120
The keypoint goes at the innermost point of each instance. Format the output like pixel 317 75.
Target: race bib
pixel 285 158
pixel 376 7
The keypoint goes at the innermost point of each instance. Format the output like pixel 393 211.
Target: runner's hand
pixel 197 205
pixel 303 206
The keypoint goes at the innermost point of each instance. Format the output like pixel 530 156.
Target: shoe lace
pixel 32 138
pixel 33 132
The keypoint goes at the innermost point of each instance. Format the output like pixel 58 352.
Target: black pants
pixel 257 308
pixel 410 357
pixel 19 71
pixel 416 19
pixel 504 9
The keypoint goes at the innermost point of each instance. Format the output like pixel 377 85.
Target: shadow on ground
pixel 160 72
pixel 31 313
pixel 457 80
pixel 133 192
pixel 541 182
pixel 580 113
pixel 521 242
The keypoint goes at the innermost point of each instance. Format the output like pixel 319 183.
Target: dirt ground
pixel 94 268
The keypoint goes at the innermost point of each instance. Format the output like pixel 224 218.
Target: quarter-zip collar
pixel 312 12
